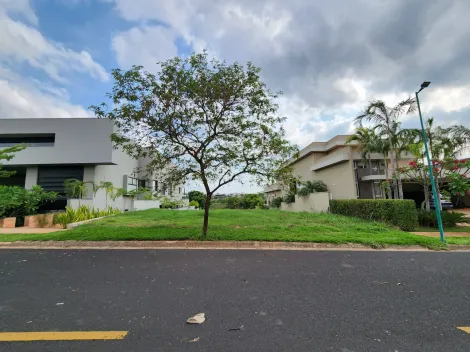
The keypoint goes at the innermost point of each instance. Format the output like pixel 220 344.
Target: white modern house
pixel 78 148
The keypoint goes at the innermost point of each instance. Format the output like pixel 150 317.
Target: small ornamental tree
pixel 200 119
pixel 8 154
pixel 451 171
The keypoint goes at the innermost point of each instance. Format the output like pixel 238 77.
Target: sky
pixel 328 57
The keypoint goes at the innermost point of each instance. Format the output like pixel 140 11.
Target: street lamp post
pixel 431 176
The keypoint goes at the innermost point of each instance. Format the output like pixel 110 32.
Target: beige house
pixel 342 168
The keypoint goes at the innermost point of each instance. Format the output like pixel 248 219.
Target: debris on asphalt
pixel 196 339
pixel 236 329
pixel 59 304
pixel 400 284
pixel 197 319
pixel 29 322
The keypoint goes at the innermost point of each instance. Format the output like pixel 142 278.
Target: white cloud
pixel 26 97
pixel 329 57
pixel 448 99
pixel 144 46
pixel 23 98
pixel 22 7
pixel 21 43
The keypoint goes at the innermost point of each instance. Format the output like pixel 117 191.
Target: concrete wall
pixel 145 204
pixel 313 203
pixel 339 179
pixel 302 167
pixel 124 165
pixel 77 141
pixel 75 203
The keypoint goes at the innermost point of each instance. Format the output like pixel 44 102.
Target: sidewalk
pixel 28 230
pixel 437 234
pixel 212 245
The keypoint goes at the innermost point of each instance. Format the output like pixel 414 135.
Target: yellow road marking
pixel 62 335
pixel 464 328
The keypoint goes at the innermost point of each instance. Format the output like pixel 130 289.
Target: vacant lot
pixel 239 225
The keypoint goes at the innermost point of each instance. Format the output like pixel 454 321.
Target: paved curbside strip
pixel 253 245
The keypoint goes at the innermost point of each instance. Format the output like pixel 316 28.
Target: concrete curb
pixel 228 245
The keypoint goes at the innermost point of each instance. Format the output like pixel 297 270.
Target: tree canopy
pixel 201 119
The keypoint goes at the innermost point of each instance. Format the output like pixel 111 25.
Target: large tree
pixel 384 119
pixel 199 118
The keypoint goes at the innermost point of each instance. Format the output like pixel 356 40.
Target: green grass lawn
pixel 237 225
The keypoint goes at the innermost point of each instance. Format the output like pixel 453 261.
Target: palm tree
pixel 366 139
pixel 95 188
pixel 75 188
pixel 370 143
pixel 109 188
pixel 383 117
pixel 461 136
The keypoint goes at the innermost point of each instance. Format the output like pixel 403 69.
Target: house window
pixel 179 190
pixel 155 185
pixel 31 140
pixel 170 189
pixel 132 181
pixel 142 183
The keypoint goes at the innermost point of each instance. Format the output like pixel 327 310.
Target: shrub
pixel 304 191
pixel 19 202
pixel 289 198
pixel 246 201
pixel 312 187
pixel 449 219
pixel 198 197
pixel 276 202
pixel 401 213
pixel 82 213
pixel 194 203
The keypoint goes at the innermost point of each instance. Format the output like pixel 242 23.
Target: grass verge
pixel 237 225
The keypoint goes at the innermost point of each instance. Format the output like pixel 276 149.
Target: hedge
pixel 401 213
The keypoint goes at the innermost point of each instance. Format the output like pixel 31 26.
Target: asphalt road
pixel 279 300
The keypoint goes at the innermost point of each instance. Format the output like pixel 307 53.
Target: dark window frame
pixel 30 139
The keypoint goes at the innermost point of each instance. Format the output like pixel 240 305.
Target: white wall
pixel 31 178
pixel 145 204
pixel 125 165
pixel 313 203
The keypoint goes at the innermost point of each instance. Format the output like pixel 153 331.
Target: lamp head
pixel 425 85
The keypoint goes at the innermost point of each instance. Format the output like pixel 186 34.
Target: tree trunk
pixel 426 203
pixel 426 198
pixel 394 162
pixel 400 187
pixel 389 189
pixel 438 200
pixel 372 182
pixel 206 215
